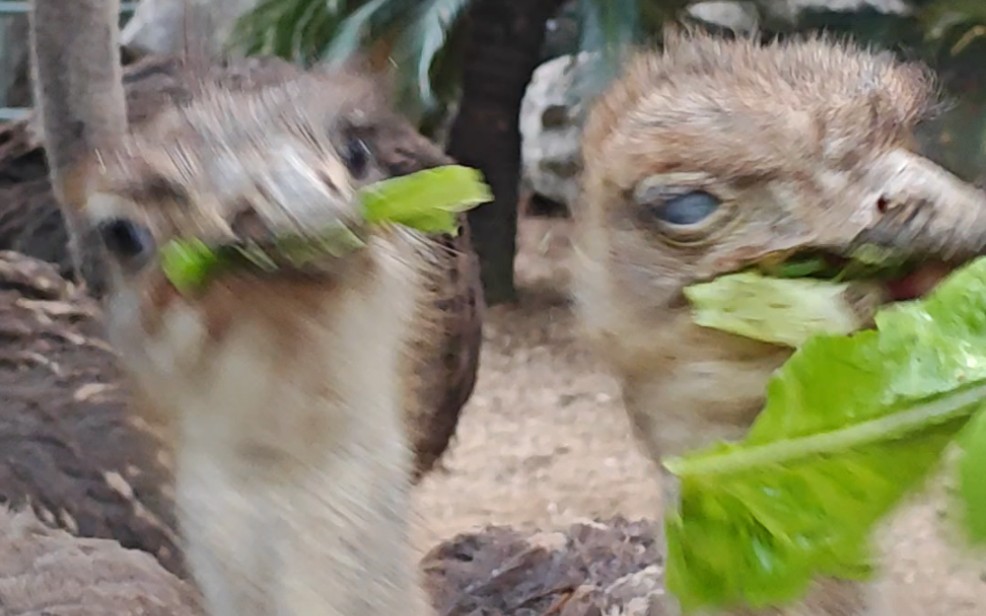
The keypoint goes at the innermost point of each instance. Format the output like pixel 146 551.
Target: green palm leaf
pixel 423 40
pixel 942 15
pixel 286 27
pixel 351 32
pixel 953 24
pixel 609 26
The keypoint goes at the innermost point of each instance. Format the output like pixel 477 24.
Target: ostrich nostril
pixel 126 239
pixel 882 204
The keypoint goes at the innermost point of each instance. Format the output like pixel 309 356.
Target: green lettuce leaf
pixel 187 264
pixel 972 480
pixel 784 311
pixel 850 425
pixel 427 201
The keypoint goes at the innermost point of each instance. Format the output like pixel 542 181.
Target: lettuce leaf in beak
pixel 851 424
pixel 784 311
pixel 427 201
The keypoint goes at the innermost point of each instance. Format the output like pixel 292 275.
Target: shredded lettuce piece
pixel 427 201
pixel 189 263
pixel 801 268
pixel 851 424
pixel 784 311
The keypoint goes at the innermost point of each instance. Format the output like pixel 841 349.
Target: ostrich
pixel 713 154
pixel 289 397
pixel 448 357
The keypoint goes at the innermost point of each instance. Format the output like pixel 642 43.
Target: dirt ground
pixel 544 442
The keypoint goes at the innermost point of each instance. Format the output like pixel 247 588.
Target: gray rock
pixel 551 117
pixel 736 16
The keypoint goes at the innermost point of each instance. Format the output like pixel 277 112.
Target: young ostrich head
pixel 286 390
pixel 713 155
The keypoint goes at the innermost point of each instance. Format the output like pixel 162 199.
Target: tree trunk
pixel 505 38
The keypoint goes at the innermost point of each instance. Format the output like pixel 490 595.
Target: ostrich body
pixel 713 155
pixel 290 397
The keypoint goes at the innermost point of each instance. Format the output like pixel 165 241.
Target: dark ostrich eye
pixel 128 241
pixel 687 209
pixel 356 156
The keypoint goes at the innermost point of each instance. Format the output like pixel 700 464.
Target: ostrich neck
pixel 319 533
pixel 292 471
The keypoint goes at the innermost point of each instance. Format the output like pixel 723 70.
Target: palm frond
pixel 353 30
pixel 311 19
pixel 273 26
pixel 421 43
pixel 421 38
pixel 608 26
pixel 607 29
pixel 306 30
pixel 941 16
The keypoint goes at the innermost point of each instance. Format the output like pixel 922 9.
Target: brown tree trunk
pixel 504 41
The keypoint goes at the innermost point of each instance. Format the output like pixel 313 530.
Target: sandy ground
pixel 544 442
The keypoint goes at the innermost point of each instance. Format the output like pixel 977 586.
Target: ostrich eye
pixel 356 156
pixel 687 209
pixel 128 241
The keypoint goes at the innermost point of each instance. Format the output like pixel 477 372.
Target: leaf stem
pixel 934 411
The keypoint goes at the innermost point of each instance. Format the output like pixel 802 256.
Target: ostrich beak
pixel 925 211
pixel 926 215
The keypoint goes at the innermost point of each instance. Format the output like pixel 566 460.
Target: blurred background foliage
pixel 422 39
pixel 433 53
